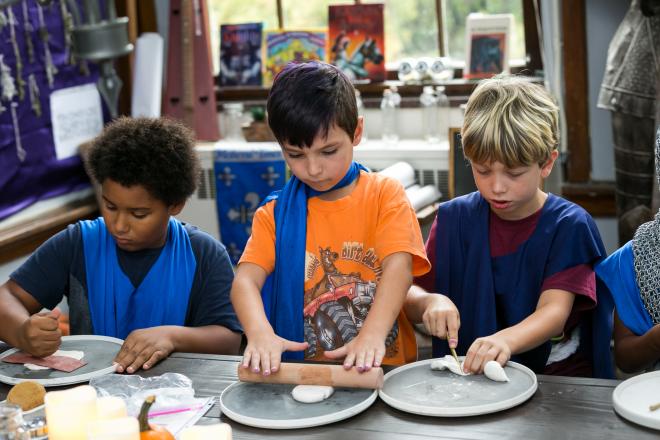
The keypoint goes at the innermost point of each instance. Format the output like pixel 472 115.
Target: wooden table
pixel 562 408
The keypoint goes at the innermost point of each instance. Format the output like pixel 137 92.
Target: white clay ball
pixel 494 371
pixel 311 393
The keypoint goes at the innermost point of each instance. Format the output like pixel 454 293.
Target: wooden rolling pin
pixel 316 374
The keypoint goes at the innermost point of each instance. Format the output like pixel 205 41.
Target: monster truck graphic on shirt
pixel 336 307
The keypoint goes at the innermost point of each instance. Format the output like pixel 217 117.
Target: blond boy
pixel 513 265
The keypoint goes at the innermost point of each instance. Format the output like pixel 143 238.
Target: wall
pixel 603 18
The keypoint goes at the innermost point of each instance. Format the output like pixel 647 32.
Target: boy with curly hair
pixel 341 244
pixel 136 273
pixel 513 265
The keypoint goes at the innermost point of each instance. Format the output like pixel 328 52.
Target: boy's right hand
pixel 40 335
pixel 441 319
pixel 264 352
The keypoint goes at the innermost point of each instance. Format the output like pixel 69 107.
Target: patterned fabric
pixel 243 180
pixel 646 255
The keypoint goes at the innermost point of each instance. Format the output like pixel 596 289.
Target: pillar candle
pixel 68 412
pixel 123 428
pixel 110 407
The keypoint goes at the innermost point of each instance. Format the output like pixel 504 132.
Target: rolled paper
pixel 424 196
pixel 401 171
pixel 148 77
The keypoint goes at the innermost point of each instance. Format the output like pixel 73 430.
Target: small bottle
pixel 233 121
pixel 360 109
pixel 430 120
pixel 388 110
pixel 442 103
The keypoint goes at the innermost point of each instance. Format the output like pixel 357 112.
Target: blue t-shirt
pixel 57 269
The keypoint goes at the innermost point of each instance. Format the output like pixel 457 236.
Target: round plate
pixel 417 389
pixel 633 397
pixel 99 351
pixel 271 406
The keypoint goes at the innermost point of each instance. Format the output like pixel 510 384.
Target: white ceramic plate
pixel 632 398
pixel 100 352
pixel 417 389
pixel 271 406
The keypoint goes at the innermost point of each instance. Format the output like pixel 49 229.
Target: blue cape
pixel 496 293
pixel 284 289
pixel 116 306
pixel 617 272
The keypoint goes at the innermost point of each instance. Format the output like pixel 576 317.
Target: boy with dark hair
pixel 513 265
pixel 136 273
pixel 340 243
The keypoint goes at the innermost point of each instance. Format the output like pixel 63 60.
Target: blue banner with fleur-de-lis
pixel 243 179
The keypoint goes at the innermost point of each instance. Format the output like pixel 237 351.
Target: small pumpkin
pixel 150 431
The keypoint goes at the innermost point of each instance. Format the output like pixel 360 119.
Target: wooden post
pixel 576 90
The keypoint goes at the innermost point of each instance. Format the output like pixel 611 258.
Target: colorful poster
pixel 240 54
pixel 283 47
pixel 357 41
pixel 243 180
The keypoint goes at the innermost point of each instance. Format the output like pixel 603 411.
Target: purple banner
pixel 35 173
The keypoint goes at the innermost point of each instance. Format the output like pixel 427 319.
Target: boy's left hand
pixel 482 350
pixel 143 349
pixel 364 351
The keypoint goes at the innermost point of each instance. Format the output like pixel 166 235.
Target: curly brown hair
pixel 155 153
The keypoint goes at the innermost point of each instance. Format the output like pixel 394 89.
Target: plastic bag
pixel 172 391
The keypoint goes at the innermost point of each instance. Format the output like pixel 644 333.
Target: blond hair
pixel 510 120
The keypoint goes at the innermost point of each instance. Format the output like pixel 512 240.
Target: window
pixel 411 27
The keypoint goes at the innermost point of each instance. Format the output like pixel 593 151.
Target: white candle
pixel 220 431
pixel 68 412
pixel 123 428
pixel 110 407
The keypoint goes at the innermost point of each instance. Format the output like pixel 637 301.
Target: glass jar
pixel 233 118
pixel 11 423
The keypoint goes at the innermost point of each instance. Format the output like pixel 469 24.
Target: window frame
pixel 458 89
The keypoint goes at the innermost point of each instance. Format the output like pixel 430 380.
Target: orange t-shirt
pixel 347 240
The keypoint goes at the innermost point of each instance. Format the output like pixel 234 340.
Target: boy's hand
pixel 441 319
pixel 40 335
pixel 482 350
pixel 365 350
pixel 264 352
pixel 143 349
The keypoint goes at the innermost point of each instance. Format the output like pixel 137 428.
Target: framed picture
pixel 461 180
pixel 487 44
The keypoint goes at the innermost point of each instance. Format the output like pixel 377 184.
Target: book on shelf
pixel 487 44
pixel 240 54
pixel 357 41
pixel 285 46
